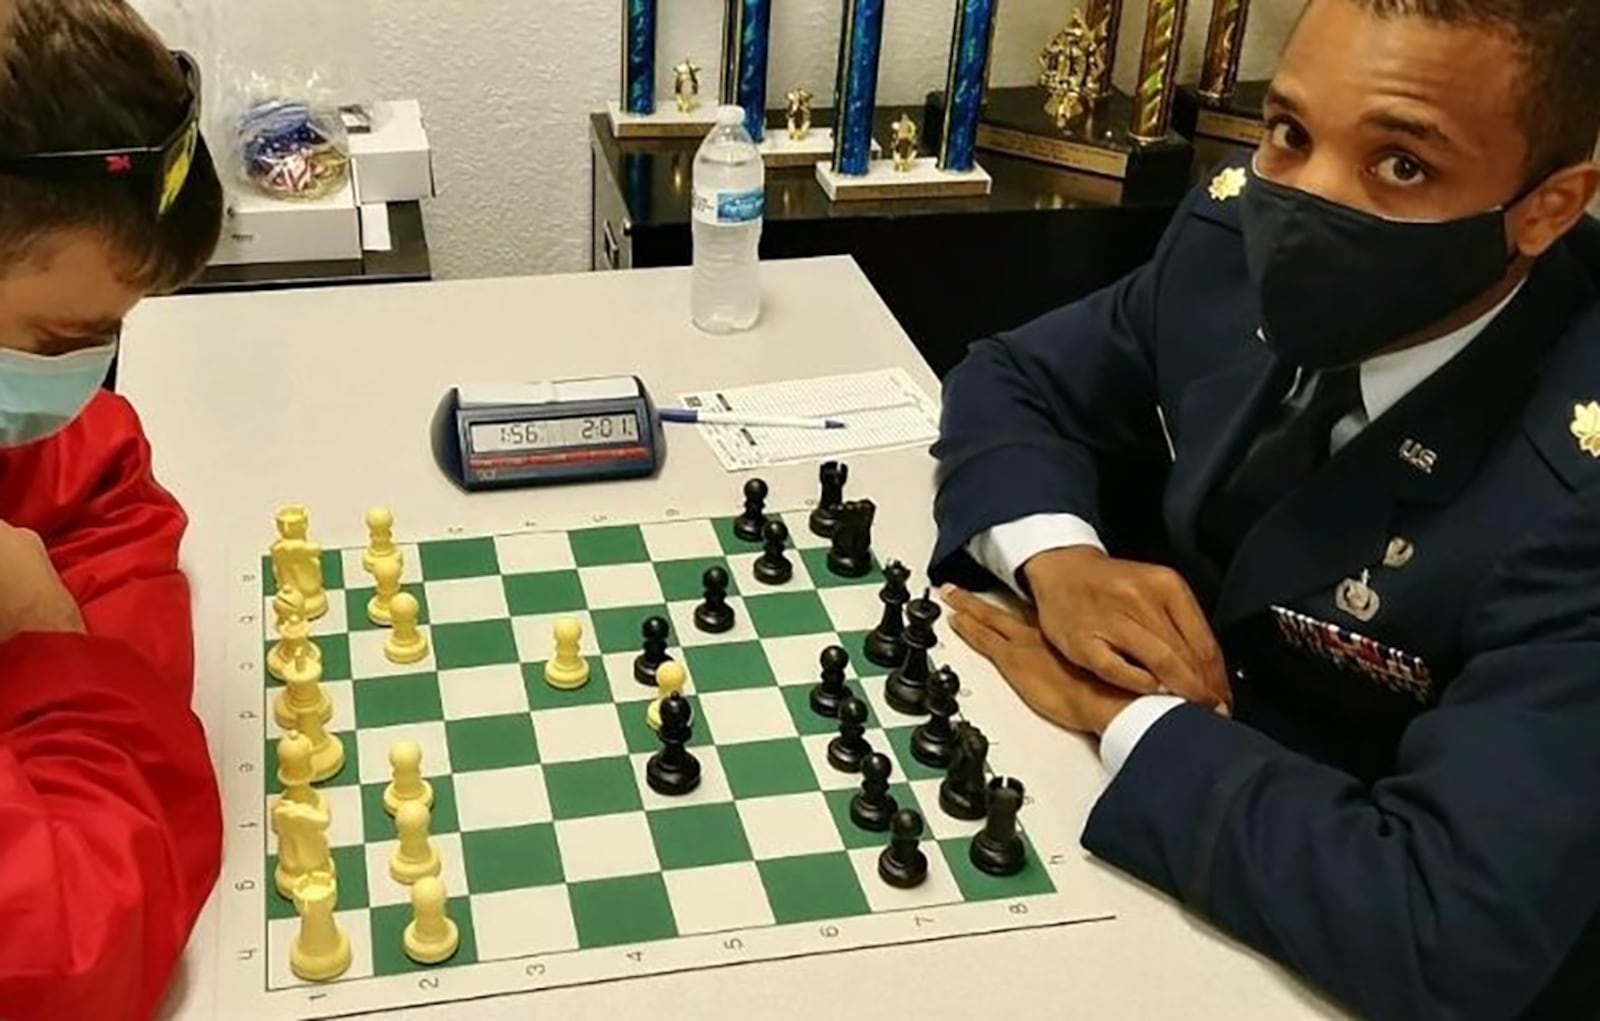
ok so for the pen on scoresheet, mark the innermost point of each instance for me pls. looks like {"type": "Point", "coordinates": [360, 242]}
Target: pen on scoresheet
{"type": "Point", "coordinates": [690, 416]}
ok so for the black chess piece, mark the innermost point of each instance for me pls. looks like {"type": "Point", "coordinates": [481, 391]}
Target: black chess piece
{"type": "Point", "coordinates": [749, 524]}
{"type": "Point", "coordinates": [998, 848]}
{"type": "Point", "coordinates": [714, 615]}
{"type": "Point", "coordinates": [825, 518]}
{"type": "Point", "coordinates": [851, 554]}
{"type": "Point", "coordinates": [828, 695]}
{"type": "Point", "coordinates": [873, 806]}
{"type": "Point", "coordinates": [934, 742]}
{"type": "Point", "coordinates": [902, 864]}
{"type": "Point", "coordinates": [846, 752]}
{"type": "Point", "coordinates": [654, 631]}
{"type": "Point", "coordinates": [964, 794]}
{"type": "Point", "coordinates": [673, 771]}
{"type": "Point", "coordinates": [774, 567]}
{"type": "Point", "coordinates": [907, 687]}
{"type": "Point", "coordinates": [886, 645]}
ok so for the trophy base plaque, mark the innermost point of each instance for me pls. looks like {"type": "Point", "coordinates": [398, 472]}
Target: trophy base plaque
{"type": "Point", "coordinates": [667, 122]}
{"type": "Point", "coordinates": [1236, 119]}
{"type": "Point", "coordinates": [1015, 123]}
{"type": "Point", "coordinates": [922, 181]}
{"type": "Point", "coordinates": [778, 150]}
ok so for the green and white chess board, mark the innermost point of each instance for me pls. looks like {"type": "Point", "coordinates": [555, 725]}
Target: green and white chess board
{"type": "Point", "coordinates": [562, 866]}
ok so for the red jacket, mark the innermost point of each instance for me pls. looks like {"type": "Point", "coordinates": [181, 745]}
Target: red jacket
{"type": "Point", "coordinates": [110, 824]}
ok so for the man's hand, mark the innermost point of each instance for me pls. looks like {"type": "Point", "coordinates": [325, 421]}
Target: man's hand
{"type": "Point", "coordinates": [1052, 687]}
{"type": "Point", "coordinates": [1137, 626]}
{"type": "Point", "coordinates": [32, 597]}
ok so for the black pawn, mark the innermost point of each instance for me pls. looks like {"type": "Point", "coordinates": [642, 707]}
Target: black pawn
{"type": "Point", "coordinates": [847, 751]}
{"type": "Point", "coordinates": [886, 645]}
{"type": "Point", "coordinates": [830, 694]}
{"type": "Point", "coordinates": [873, 806]}
{"type": "Point", "coordinates": [825, 518]}
{"type": "Point", "coordinates": [998, 848]}
{"type": "Point", "coordinates": [654, 631]}
{"type": "Point", "coordinates": [673, 771]}
{"type": "Point", "coordinates": [902, 864]}
{"type": "Point", "coordinates": [907, 687]}
{"type": "Point", "coordinates": [774, 567]}
{"type": "Point", "coordinates": [964, 793]}
{"type": "Point", "coordinates": [714, 615]}
{"type": "Point", "coordinates": [749, 524]}
{"type": "Point", "coordinates": [934, 742]}
{"type": "Point", "coordinates": [851, 553]}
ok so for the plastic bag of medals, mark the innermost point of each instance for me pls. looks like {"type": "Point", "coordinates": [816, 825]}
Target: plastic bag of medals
{"type": "Point", "coordinates": [292, 150]}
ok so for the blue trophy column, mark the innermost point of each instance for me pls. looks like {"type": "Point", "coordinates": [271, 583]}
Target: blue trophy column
{"type": "Point", "coordinates": [639, 56]}
{"type": "Point", "coordinates": [856, 95]}
{"type": "Point", "coordinates": [969, 57]}
{"type": "Point", "coordinates": [746, 29]}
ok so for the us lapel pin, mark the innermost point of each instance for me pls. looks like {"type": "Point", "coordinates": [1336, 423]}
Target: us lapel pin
{"type": "Point", "coordinates": [1418, 456]}
{"type": "Point", "coordinates": [1357, 597]}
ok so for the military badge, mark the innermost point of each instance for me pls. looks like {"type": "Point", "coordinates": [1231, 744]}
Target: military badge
{"type": "Point", "coordinates": [1586, 427]}
{"type": "Point", "coordinates": [1228, 184]}
{"type": "Point", "coordinates": [1400, 672]}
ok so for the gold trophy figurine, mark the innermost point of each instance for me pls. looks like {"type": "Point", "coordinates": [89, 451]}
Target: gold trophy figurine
{"type": "Point", "coordinates": [1072, 69]}
{"type": "Point", "coordinates": [686, 86]}
{"type": "Point", "coordinates": [799, 113]}
{"type": "Point", "coordinates": [904, 145]}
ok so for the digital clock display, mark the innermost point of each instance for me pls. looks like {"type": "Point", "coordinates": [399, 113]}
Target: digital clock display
{"type": "Point", "coordinates": [553, 433]}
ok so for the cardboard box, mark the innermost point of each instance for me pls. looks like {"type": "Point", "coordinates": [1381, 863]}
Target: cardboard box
{"type": "Point", "coordinates": [259, 229]}
{"type": "Point", "coordinates": [393, 162]}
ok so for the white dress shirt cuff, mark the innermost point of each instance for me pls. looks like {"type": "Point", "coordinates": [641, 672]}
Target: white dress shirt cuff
{"type": "Point", "coordinates": [1004, 549]}
{"type": "Point", "coordinates": [1129, 728]}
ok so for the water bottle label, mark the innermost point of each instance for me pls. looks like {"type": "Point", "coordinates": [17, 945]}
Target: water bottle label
{"type": "Point", "coordinates": [729, 207]}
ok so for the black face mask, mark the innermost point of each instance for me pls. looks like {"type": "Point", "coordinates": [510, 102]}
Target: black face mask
{"type": "Point", "coordinates": [1338, 285]}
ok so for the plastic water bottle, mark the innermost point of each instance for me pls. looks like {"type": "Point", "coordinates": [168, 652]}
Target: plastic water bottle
{"type": "Point", "coordinates": [730, 189]}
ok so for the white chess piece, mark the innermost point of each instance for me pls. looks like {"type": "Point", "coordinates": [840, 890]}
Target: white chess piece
{"type": "Point", "coordinates": [302, 691]}
{"type": "Point", "coordinates": [297, 561]}
{"type": "Point", "coordinates": [386, 577]}
{"type": "Point", "coordinates": [567, 669]}
{"type": "Point", "coordinates": [294, 632]}
{"type": "Point", "coordinates": [327, 750]}
{"type": "Point", "coordinates": [670, 680]}
{"type": "Point", "coordinates": [431, 937]}
{"type": "Point", "coordinates": [302, 843]}
{"type": "Point", "coordinates": [406, 643]}
{"type": "Point", "coordinates": [416, 856]}
{"type": "Point", "coordinates": [320, 951]}
{"type": "Point", "coordinates": [405, 759]}
{"type": "Point", "coordinates": [380, 538]}
{"type": "Point", "coordinates": [295, 773]}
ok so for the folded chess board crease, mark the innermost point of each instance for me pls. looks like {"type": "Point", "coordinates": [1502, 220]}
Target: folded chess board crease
{"type": "Point", "coordinates": [496, 746]}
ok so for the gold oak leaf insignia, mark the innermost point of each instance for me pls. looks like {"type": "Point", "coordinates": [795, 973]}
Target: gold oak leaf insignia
{"type": "Point", "coordinates": [1228, 184]}
{"type": "Point", "coordinates": [1586, 427]}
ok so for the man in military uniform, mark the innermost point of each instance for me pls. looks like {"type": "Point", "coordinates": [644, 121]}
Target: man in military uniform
{"type": "Point", "coordinates": [1355, 719]}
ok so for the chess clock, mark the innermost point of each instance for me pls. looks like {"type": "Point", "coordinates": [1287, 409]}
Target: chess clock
{"type": "Point", "coordinates": [506, 436]}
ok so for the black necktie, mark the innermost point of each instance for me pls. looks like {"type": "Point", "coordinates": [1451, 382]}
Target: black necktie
{"type": "Point", "coordinates": [1293, 444]}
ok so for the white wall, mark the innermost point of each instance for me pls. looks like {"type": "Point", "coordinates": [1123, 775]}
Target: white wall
{"type": "Point", "coordinates": [507, 86]}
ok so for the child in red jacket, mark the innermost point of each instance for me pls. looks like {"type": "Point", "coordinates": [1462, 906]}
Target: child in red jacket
{"type": "Point", "coordinates": [110, 827]}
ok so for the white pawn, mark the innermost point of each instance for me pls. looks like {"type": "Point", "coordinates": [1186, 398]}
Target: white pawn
{"type": "Point", "coordinates": [294, 774]}
{"type": "Point", "coordinates": [406, 643]}
{"type": "Point", "coordinates": [416, 856]}
{"type": "Point", "coordinates": [327, 750]}
{"type": "Point", "coordinates": [670, 679]}
{"type": "Point", "coordinates": [405, 759]}
{"type": "Point", "coordinates": [431, 937]}
{"type": "Point", "coordinates": [386, 576]}
{"type": "Point", "coordinates": [302, 691]}
{"type": "Point", "coordinates": [567, 669]}
{"type": "Point", "coordinates": [320, 951]}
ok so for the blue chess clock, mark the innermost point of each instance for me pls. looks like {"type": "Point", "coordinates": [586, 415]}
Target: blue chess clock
{"type": "Point", "coordinates": [505, 436]}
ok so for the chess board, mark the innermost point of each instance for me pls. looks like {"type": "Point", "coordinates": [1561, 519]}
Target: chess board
{"type": "Point", "coordinates": [563, 867]}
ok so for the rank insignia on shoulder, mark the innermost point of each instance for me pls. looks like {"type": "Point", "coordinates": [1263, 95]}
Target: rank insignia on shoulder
{"type": "Point", "coordinates": [1228, 184]}
{"type": "Point", "coordinates": [1586, 427]}
{"type": "Point", "coordinates": [1398, 671]}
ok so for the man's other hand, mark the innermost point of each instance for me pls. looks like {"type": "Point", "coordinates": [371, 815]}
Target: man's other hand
{"type": "Point", "coordinates": [1136, 626]}
{"type": "Point", "coordinates": [32, 597]}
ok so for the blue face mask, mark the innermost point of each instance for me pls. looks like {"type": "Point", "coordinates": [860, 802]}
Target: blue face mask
{"type": "Point", "coordinates": [40, 396]}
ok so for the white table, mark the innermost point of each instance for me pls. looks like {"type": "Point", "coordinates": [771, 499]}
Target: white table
{"type": "Point", "coordinates": [323, 397]}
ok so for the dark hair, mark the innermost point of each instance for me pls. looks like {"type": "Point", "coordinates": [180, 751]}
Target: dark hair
{"type": "Point", "coordinates": [90, 74]}
{"type": "Point", "coordinates": [1560, 43]}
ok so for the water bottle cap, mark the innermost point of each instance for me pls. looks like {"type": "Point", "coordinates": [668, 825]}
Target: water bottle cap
{"type": "Point", "coordinates": [730, 115]}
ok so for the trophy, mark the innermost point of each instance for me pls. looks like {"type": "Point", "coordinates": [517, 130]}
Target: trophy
{"type": "Point", "coordinates": [637, 114]}
{"type": "Point", "coordinates": [853, 172]}
{"type": "Point", "coordinates": [1219, 107]}
{"type": "Point", "coordinates": [746, 42]}
{"type": "Point", "coordinates": [1074, 117]}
